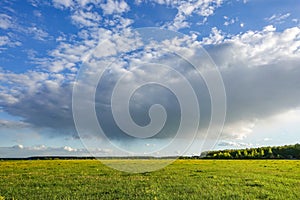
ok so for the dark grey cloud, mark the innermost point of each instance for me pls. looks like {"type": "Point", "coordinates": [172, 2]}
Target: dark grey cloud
{"type": "Point", "coordinates": [257, 87]}
{"type": "Point", "coordinates": [262, 91]}
{"type": "Point", "coordinates": [45, 108]}
{"type": "Point", "coordinates": [252, 92]}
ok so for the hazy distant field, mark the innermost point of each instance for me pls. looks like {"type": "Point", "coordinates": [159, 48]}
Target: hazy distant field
{"type": "Point", "coordinates": [184, 179]}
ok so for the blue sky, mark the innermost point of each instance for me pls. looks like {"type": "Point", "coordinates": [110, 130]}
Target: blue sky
{"type": "Point", "coordinates": [255, 45]}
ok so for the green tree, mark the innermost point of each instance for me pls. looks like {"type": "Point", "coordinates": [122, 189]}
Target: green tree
{"type": "Point", "coordinates": [270, 153]}
{"type": "Point", "coordinates": [254, 153]}
{"type": "Point", "coordinates": [238, 154]}
{"type": "Point", "coordinates": [261, 153]}
{"type": "Point", "coordinates": [220, 155]}
{"type": "Point", "coordinates": [245, 153]}
{"type": "Point", "coordinates": [227, 155]}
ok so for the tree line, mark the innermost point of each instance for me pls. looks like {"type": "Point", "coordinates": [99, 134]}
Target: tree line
{"type": "Point", "coordinates": [278, 152]}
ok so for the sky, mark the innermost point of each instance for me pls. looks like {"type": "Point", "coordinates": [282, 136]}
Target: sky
{"type": "Point", "coordinates": [147, 77]}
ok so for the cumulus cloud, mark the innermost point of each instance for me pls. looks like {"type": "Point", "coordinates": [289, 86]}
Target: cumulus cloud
{"type": "Point", "coordinates": [86, 13]}
{"type": "Point", "coordinates": [260, 71]}
{"type": "Point", "coordinates": [86, 19]}
{"type": "Point", "coordinates": [254, 48]}
{"type": "Point", "coordinates": [38, 33]}
{"type": "Point", "coordinates": [215, 37]}
{"type": "Point", "coordinates": [188, 8]}
{"type": "Point", "coordinates": [35, 96]}
{"type": "Point", "coordinates": [113, 6]}
{"type": "Point", "coordinates": [63, 3]}
{"type": "Point", "coordinates": [6, 23]}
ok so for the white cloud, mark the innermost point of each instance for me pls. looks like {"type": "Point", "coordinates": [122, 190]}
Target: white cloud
{"type": "Point", "coordinates": [4, 40]}
{"type": "Point", "coordinates": [66, 56]}
{"type": "Point", "coordinates": [8, 98]}
{"type": "Point", "coordinates": [5, 21]}
{"type": "Point", "coordinates": [67, 148]}
{"type": "Point", "coordinates": [230, 144]}
{"type": "Point", "coordinates": [295, 20]}
{"type": "Point", "coordinates": [186, 9]}
{"type": "Point", "coordinates": [37, 148]}
{"type": "Point", "coordinates": [114, 7]}
{"type": "Point", "coordinates": [267, 139]}
{"type": "Point", "coordinates": [229, 21]}
{"type": "Point", "coordinates": [215, 37]}
{"type": "Point", "coordinates": [16, 83]}
{"type": "Point", "coordinates": [37, 13]}
{"type": "Point", "coordinates": [254, 48]}
{"type": "Point", "coordinates": [257, 66]}
{"type": "Point", "coordinates": [238, 130]}
{"type": "Point", "coordinates": [287, 118]}
{"type": "Point", "coordinates": [19, 146]}
{"type": "Point", "coordinates": [20, 151]}
{"type": "Point", "coordinates": [38, 33]}
{"type": "Point", "coordinates": [199, 7]}
{"type": "Point", "coordinates": [86, 19]}
{"type": "Point", "coordinates": [47, 100]}
{"type": "Point", "coordinates": [269, 28]}
{"type": "Point", "coordinates": [63, 3]}
{"type": "Point", "coordinates": [37, 3]}
{"type": "Point", "coordinates": [278, 19]}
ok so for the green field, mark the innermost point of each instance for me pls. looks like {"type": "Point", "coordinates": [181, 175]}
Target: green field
{"type": "Point", "coordinates": [184, 179]}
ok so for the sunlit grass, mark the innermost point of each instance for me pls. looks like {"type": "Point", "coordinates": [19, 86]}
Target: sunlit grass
{"type": "Point", "coordinates": [184, 179]}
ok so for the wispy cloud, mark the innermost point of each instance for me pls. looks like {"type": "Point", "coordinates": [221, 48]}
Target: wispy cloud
{"type": "Point", "coordinates": [38, 33]}
{"type": "Point", "coordinates": [5, 21]}
{"type": "Point", "coordinates": [20, 151]}
{"type": "Point", "coordinates": [6, 41]}
{"type": "Point", "coordinates": [232, 144]}
{"type": "Point", "coordinates": [187, 9]}
{"type": "Point", "coordinates": [278, 18]}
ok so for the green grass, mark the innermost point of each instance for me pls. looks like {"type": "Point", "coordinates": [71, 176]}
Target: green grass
{"type": "Point", "coordinates": [184, 179]}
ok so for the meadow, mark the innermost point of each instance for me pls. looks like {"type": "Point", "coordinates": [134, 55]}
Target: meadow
{"type": "Point", "coordinates": [184, 179]}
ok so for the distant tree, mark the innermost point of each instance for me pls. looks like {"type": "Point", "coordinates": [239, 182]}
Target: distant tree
{"type": "Point", "coordinates": [245, 153]}
{"type": "Point", "coordinates": [227, 155]}
{"type": "Point", "coordinates": [261, 153]}
{"type": "Point", "coordinates": [270, 153]}
{"type": "Point", "coordinates": [238, 154]}
{"type": "Point", "coordinates": [254, 153]}
{"type": "Point", "coordinates": [221, 155]}
{"type": "Point", "coordinates": [287, 152]}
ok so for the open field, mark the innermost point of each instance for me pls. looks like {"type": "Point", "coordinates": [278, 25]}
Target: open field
{"type": "Point", "coordinates": [184, 179]}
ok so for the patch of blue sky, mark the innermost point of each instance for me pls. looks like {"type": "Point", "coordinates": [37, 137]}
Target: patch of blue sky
{"type": "Point", "coordinates": [151, 15]}
{"type": "Point", "coordinates": [36, 33]}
